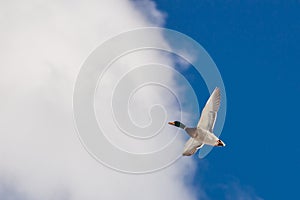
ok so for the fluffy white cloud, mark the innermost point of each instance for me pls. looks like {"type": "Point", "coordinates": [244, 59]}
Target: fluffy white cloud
{"type": "Point", "coordinates": [43, 44]}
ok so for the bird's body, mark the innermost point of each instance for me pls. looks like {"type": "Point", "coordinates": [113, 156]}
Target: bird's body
{"type": "Point", "coordinates": [203, 133]}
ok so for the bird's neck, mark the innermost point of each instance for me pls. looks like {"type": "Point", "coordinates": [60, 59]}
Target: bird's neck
{"type": "Point", "coordinates": [182, 126]}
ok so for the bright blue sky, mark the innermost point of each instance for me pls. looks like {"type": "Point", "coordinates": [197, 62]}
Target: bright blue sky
{"type": "Point", "coordinates": [256, 48]}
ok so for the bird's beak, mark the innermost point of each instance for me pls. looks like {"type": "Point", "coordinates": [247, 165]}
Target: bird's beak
{"type": "Point", "coordinates": [171, 123]}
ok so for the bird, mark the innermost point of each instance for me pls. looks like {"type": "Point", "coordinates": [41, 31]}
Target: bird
{"type": "Point", "coordinates": [203, 133]}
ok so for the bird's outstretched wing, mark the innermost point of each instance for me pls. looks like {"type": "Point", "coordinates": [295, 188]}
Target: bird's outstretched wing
{"type": "Point", "coordinates": [191, 146]}
{"type": "Point", "coordinates": [209, 112]}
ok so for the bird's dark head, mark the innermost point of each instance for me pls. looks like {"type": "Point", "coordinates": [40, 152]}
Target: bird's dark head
{"type": "Point", "coordinates": [177, 124]}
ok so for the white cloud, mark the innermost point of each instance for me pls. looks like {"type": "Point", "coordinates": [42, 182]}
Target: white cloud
{"type": "Point", "coordinates": [43, 45]}
{"type": "Point", "coordinates": [234, 189]}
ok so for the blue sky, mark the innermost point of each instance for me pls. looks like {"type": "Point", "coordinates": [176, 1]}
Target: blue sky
{"type": "Point", "coordinates": [255, 45]}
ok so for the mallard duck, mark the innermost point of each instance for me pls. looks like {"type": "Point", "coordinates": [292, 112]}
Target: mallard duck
{"type": "Point", "coordinates": [203, 133]}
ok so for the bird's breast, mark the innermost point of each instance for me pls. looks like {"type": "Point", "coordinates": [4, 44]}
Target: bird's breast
{"type": "Point", "coordinates": [192, 132]}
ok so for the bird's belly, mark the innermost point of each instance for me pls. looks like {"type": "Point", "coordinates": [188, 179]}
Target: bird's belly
{"type": "Point", "coordinates": [206, 137]}
{"type": "Point", "coordinates": [201, 136]}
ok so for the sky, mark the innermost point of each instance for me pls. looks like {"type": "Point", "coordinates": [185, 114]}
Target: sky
{"type": "Point", "coordinates": [255, 47]}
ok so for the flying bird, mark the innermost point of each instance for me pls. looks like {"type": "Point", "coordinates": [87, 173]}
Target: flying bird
{"type": "Point", "coordinates": [203, 133]}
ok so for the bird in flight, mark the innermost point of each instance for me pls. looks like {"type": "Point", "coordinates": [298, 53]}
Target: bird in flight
{"type": "Point", "coordinates": [203, 133]}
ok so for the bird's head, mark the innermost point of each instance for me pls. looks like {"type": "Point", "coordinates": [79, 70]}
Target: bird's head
{"type": "Point", "coordinates": [177, 124]}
